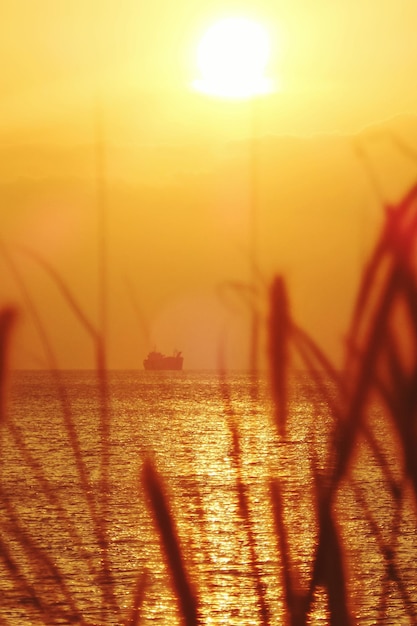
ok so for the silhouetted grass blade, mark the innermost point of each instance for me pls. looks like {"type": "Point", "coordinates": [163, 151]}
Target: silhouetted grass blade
{"type": "Point", "coordinates": [170, 544]}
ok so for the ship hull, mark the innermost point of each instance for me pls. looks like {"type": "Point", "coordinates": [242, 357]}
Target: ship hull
{"type": "Point", "coordinates": [167, 363]}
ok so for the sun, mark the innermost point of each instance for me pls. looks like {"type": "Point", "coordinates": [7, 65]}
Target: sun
{"type": "Point", "coordinates": [232, 57]}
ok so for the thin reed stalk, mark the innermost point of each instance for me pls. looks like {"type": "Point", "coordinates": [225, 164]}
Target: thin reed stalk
{"type": "Point", "coordinates": [171, 548]}
{"type": "Point", "coordinates": [106, 583]}
{"type": "Point", "coordinates": [279, 336]}
{"type": "Point", "coordinates": [7, 321]}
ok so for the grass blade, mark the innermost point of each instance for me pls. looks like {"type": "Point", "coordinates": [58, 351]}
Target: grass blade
{"type": "Point", "coordinates": [170, 544]}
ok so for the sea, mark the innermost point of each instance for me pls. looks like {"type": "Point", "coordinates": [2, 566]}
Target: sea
{"type": "Point", "coordinates": [80, 540]}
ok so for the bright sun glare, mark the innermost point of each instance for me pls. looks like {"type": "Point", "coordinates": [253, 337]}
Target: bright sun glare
{"type": "Point", "coordinates": [232, 57]}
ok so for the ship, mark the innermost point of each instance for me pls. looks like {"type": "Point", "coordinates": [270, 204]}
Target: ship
{"type": "Point", "coordinates": [158, 361]}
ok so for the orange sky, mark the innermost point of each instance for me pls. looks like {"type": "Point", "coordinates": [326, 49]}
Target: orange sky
{"type": "Point", "coordinates": [178, 167]}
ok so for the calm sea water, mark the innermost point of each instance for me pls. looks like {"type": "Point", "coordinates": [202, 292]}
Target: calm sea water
{"type": "Point", "coordinates": [55, 507]}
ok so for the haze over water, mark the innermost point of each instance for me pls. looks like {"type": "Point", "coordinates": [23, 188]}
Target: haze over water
{"type": "Point", "coordinates": [334, 141]}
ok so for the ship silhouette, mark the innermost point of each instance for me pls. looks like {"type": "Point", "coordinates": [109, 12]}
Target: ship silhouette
{"type": "Point", "coordinates": [158, 361]}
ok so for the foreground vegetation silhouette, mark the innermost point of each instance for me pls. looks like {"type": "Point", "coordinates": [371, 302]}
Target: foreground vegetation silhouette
{"type": "Point", "coordinates": [372, 403]}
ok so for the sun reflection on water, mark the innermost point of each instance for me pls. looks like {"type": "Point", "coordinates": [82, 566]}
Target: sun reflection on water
{"type": "Point", "coordinates": [232, 553]}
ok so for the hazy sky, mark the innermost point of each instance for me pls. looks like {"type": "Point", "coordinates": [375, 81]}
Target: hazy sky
{"type": "Point", "coordinates": [180, 167]}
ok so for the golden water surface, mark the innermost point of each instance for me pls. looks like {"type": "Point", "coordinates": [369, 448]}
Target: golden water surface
{"type": "Point", "coordinates": [76, 547]}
